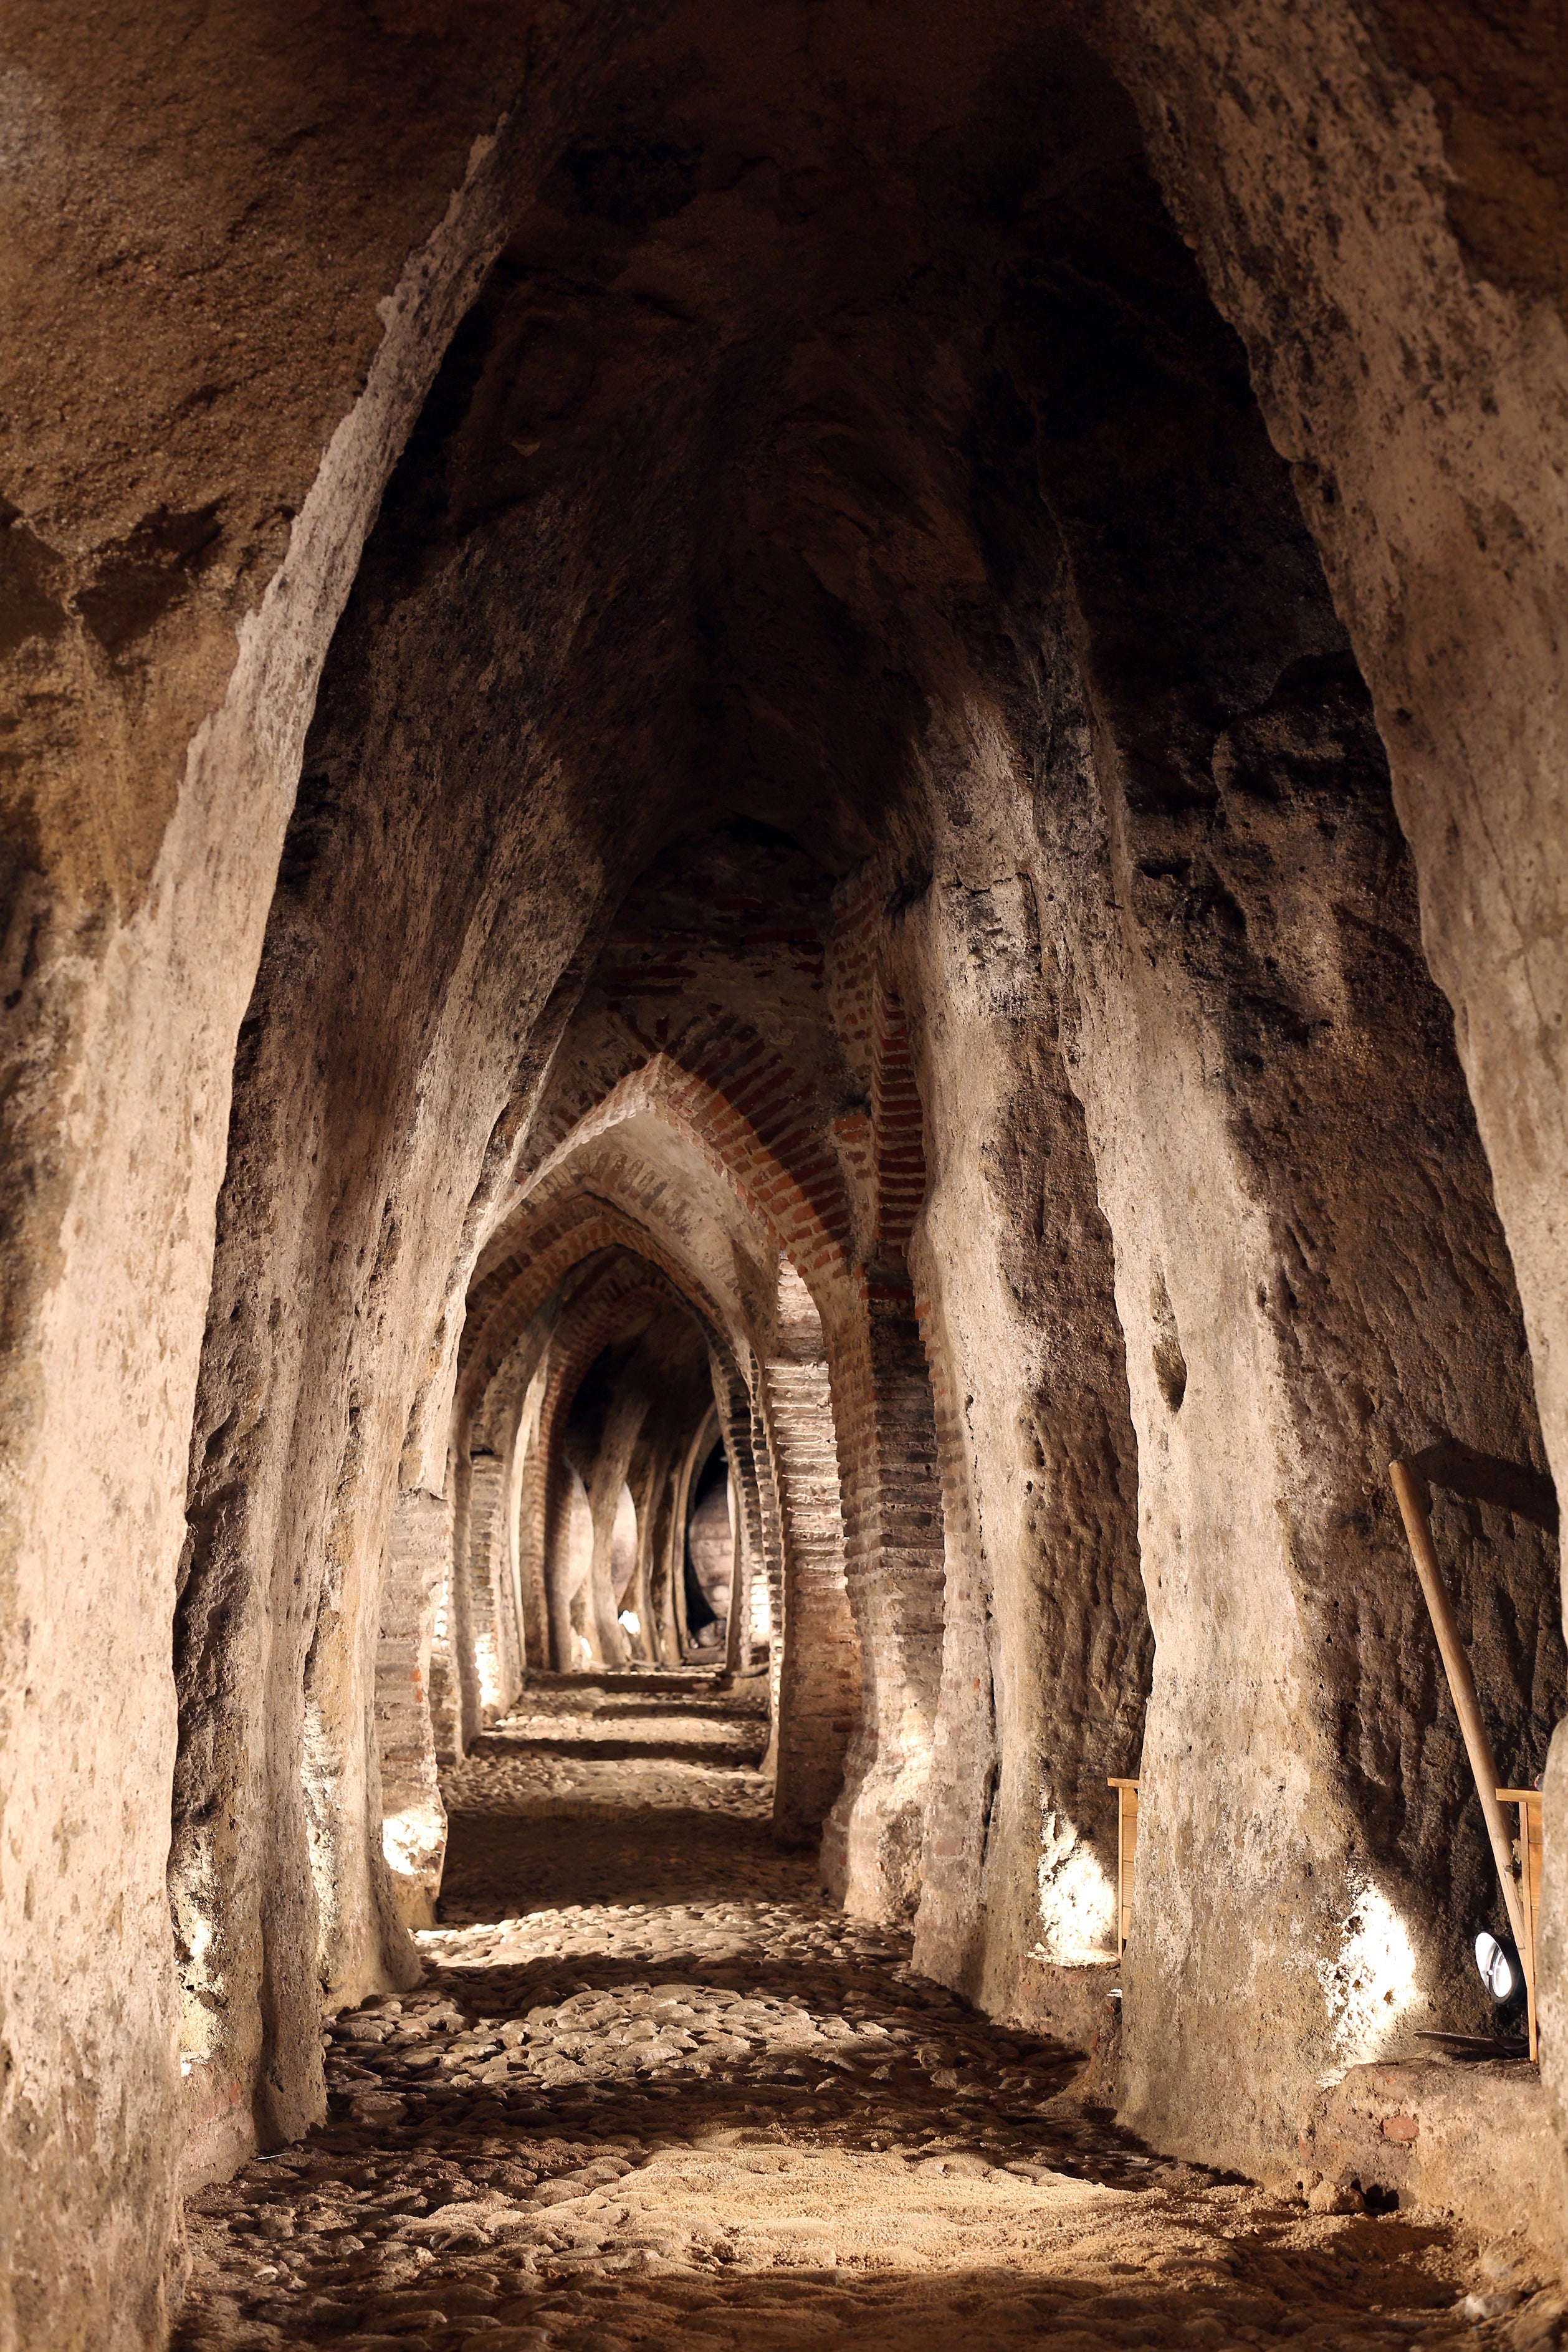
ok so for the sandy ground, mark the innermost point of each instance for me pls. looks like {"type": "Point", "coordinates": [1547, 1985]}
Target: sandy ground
{"type": "Point", "coordinates": [656, 2092]}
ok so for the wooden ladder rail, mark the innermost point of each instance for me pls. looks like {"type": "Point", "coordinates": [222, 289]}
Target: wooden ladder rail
{"type": "Point", "coordinates": [1126, 1848]}
{"type": "Point", "coordinates": [1407, 1488]}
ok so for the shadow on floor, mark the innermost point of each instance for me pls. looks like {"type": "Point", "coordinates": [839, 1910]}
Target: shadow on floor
{"type": "Point", "coordinates": [501, 1865]}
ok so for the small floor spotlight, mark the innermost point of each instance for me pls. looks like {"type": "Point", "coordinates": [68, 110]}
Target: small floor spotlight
{"type": "Point", "coordinates": [1500, 1970]}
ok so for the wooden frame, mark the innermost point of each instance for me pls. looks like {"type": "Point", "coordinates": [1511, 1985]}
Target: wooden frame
{"type": "Point", "coordinates": [1526, 1493]}
{"type": "Point", "coordinates": [1126, 1849]}
{"type": "Point", "coordinates": [1528, 1804]}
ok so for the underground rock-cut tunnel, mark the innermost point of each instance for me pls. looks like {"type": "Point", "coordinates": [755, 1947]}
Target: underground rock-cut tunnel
{"type": "Point", "coordinates": [786, 1306]}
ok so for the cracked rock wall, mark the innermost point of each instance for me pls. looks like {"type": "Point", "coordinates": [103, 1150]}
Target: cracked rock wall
{"type": "Point", "coordinates": [1067, 505]}
{"type": "Point", "coordinates": [148, 788]}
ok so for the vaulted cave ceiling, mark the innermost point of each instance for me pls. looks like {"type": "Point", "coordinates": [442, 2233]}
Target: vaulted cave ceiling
{"type": "Point", "coordinates": [838, 588]}
{"type": "Point", "coordinates": [836, 351]}
{"type": "Point", "coordinates": [843, 416]}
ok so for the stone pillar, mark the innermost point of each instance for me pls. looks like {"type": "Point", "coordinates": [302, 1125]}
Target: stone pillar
{"type": "Point", "coordinates": [893, 1570]}
{"type": "Point", "coordinates": [696, 1455]}
{"type": "Point", "coordinates": [660, 1622]}
{"type": "Point", "coordinates": [768, 1568]}
{"type": "Point", "coordinates": [891, 1490]}
{"type": "Point", "coordinates": [616, 1447]}
{"type": "Point", "coordinates": [537, 1477]}
{"type": "Point", "coordinates": [819, 1646]}
{"type": "Point", "coordinates": [534, 1630]}
{"type": "Point", "coordinates": [414, 1818]}
{"type": "Point", "coordinates": [1046, 1649]}
{"type": "Point", "coordinates": [1311, 1278]}
{"type": "Point", "coordinates": [492, 1610]}
{"type": "Point", "coordinates": [650, 1500]}
{"type": "Point", "coordinates": [462, 1634]}
{"type": "Point", "coordinates": [735, 1615]}
{"type": "Point", "coordinates": [446, 1696]}
{"type": "Point", "coordinates": [732, 1403]}
{"type": "Point", "coordinates": [561, 1488]}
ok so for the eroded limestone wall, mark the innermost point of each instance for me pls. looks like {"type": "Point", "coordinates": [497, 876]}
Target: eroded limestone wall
{"type": "Point", "coordinates": [1047, 1649]}
{"type": "Point", "coordinates": [1378, 206]}
{"type": "Point", "coordinates": [1020, 544]}
{"type": "Point", "coordinates": [140, 984]}
{"type": "Point", "coordinates": [414, 1818]}
{"type": "Point", "coordinates": [1311, 1278]}
{"type": "Point", "coordinates": [380, 1052]}
{"type": "Point", "coordinates": [192, 465]}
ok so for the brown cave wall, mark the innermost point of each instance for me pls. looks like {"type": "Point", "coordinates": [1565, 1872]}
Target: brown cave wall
{"type": "Point", "coordinates": [1106, 343]}
{"type": "Point", "coordinates": [1047, 1647]}
{"type": "Point", "coordinates": [1376, 200]}
{"type": "Point", "coordinates": [155, 506]}
{"type": "Point", "coordinates": [858, 452]}
{"type": "Point", "coordinates": [1310, 1274]}
{"type": "Point", "coordinates": [381, 1049]}
{"type": "Point", "coordinates": [141, 1009]}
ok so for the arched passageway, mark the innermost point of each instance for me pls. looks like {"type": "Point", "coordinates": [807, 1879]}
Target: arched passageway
{"type": "Point", "coordinates": [654, 2080]}
{"type": "Point", "coordinates": [785, 951]}
{"type": "Point", "coordinates": [710, 1550]}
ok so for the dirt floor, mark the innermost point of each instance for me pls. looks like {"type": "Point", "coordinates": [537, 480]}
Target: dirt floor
{"type": "Point", "coordinates": [656, 2091]}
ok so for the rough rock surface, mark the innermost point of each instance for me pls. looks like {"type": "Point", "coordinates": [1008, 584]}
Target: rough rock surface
{"type": "Point", "coordinates": [830, 732]}
{"type": "Point", "coordinates": [652, 2088]}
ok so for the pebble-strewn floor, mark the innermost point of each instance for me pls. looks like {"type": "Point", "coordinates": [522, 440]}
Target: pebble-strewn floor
{"type": "Point", "coordinates": [656, 2092]}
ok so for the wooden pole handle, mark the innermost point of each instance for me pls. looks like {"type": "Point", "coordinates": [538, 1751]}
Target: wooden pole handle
{"type": "Point", "coordinates": [1462, 1689]}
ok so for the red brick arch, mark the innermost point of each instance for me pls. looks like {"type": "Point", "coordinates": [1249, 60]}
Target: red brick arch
{"type": "Point", "coordinates": [756, 1090]}
{"type": "Point", "coordinates": [759, 1141]}
{"type": "Point", "coordinates": [762, 1141]}
{"type": "Point", "coordinates": [544, 1251]}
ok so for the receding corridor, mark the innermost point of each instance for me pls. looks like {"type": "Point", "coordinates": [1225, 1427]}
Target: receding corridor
{"type": "Point", "coordinates": [784, 1123]}
{"type": "Point", "coordinates": [656, 2091]}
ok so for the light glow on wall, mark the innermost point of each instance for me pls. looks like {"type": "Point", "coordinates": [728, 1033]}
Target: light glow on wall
{"type": "Point", "coordinates": [1372, 1982]}
{"type": "Point", "coordinates": [410, 1837]}
{"type": "Point", "coordinates": [1077, 1900]}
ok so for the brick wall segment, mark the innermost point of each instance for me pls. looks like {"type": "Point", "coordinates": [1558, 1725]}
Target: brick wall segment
{"type": "Point", "coordinates": [733, 1403]}
{"type": "Point", "coordinates": [413, 1834]}
{"type": "Point", "coordinates": [882, 1436]}
{"type": "Point", "coordinates": [816, 1649]}
{"type": "Point", "coordinates": [497, 1646]}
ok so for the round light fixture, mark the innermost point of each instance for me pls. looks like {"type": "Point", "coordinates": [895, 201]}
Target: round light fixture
{"type": "Point", "coordinates": [1499, 1972]}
